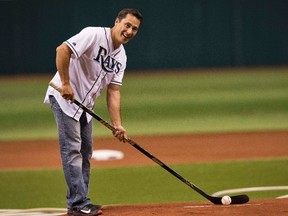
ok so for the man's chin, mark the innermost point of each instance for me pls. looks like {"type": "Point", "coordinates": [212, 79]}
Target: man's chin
{"type": "Point", "coordinates": [125, 41]}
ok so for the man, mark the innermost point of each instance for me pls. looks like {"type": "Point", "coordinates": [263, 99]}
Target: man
{"type": "Point", "coordinates": [87, 63]}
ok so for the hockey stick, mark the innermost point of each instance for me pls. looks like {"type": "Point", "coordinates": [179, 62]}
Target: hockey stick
{"type": "Point", "coordinates": [238, 199]}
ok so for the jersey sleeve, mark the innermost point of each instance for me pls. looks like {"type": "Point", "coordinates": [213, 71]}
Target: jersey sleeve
{"type": "Point", "coordinates": [118, 77]}
{"type": "Point", "coordinates": [80, 42]}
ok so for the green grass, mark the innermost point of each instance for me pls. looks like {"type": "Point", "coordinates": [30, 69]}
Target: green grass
{"type": "Point", "coordinates": [206, 101]}
{"type": "Point", "coordinates": [142, 184]}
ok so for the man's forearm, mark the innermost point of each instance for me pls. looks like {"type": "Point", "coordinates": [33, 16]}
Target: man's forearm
{"type": "Point", "coordinates": [63, 54]}
{"type": "Point", "coordinates": [114, 105]}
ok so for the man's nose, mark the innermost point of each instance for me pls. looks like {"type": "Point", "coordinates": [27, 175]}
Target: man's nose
{"type": "Point", "coordinates": [129, 31]}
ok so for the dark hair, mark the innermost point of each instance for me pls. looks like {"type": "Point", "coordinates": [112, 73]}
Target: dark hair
{"type": "Point", "coordinates": [123, 13]}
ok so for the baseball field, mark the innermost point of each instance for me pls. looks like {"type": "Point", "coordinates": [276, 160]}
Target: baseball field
{"type": "Point", "coordinates": [225, 130]}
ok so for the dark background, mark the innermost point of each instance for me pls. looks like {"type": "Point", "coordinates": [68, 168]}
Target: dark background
{"type": "Point", "coordinates": [174, 34]}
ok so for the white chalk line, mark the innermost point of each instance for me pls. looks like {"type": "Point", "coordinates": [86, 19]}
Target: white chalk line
{"type": "Point", "coordinates": [252, 189]}
{"type": "Point", "coordinates": [203, 206]}
{"type": "Point", "coordinates": [33, 212]}
{"type": "Point", "coordinates": [210, 206]}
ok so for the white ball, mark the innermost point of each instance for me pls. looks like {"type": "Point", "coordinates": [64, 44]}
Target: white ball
{"type": "Point", "coordinates": [226, 200]}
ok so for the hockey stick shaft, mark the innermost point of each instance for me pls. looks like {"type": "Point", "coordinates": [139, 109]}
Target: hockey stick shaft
{"type": "Point", "coordinates": [216, 200]}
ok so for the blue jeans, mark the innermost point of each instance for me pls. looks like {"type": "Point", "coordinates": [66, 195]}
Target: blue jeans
{"type": "Point", "coordinates": [76, 144]}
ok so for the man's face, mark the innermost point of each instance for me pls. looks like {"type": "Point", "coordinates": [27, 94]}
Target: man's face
{"type": "Point", "coordinates": [125, 29]}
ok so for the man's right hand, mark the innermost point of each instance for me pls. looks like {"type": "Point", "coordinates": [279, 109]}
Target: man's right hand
{"type": "Point", "coordinates": [67, 92]}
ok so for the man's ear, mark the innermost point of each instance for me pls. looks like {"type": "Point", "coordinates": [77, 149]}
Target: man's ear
{"type": "Point", "coordinates": [117, 20]}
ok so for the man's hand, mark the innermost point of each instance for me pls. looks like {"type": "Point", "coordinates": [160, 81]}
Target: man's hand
{"type": "Point", "coordinates": [120, 133]}
{"type": "Point", "coordinates": [67, 92]}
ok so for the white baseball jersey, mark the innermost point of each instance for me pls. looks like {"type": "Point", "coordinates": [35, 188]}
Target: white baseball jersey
{"type": "Point", "coordinates": [94, 64]}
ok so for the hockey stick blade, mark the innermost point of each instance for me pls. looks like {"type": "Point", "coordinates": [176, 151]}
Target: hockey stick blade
{"type": "Point", "coordinates": [238, 199]}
